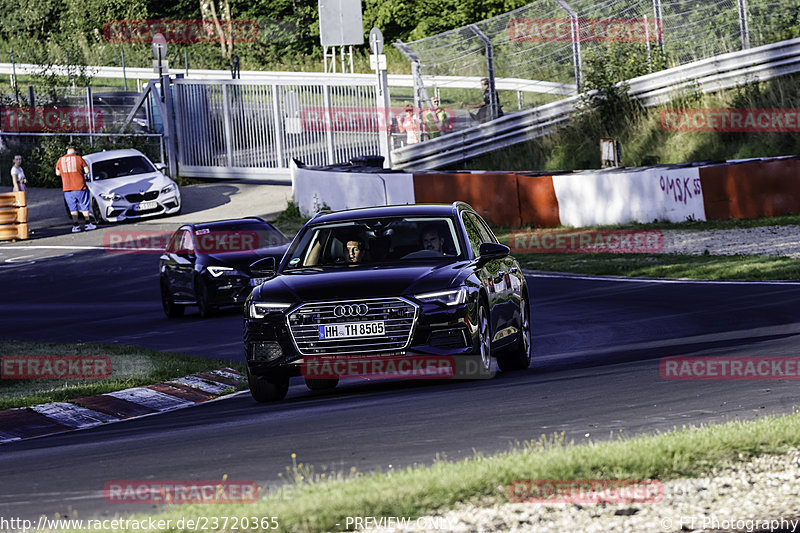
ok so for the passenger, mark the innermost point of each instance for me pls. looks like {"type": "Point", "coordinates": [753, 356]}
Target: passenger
{"type": "Point", "coordinates": [355, 251]}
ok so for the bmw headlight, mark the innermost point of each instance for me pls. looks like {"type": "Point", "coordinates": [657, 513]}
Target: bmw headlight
{"type": "Point", "coordinates": [262, 309]}
{"type": "Point", "coordinates": [217, 271]}
{"type": "Point", "coordinates": [167, 189]}
{"type": "Point", "coordinates": [448, 297]}
{"type": "Point", "coordinates": [111, 196]}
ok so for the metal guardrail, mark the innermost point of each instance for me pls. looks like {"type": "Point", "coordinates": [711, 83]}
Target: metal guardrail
{"type": "Point", "coordinates": [713, 74]}
{"type": "Point", "coordinates": [395, 80]}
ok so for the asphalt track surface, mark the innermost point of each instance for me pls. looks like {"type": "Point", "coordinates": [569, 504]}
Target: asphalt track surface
{"type": "Point", "coordinates": [597, 345]}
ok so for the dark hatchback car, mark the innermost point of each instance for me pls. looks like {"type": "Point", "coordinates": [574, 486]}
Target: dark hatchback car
{"type": "Point", "coordinates": [427, 280]}
{"type": "Point", "coordinates": [208, 265]}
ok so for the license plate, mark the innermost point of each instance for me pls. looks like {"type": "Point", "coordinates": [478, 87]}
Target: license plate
{"type": "Point", "coordinates": [144, 206]}
{"type": "Point", "coordinates": [345, 331]}
{"type": "Point", "coordinates": [257, 281]}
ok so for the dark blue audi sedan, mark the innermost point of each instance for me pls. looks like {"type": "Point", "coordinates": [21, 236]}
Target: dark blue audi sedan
{"type": "Point", "coordinates": [397, 281]}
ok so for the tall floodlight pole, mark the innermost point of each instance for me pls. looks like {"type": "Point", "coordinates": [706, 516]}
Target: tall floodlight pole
{"type": "Point", "coordinates": [743, 26]}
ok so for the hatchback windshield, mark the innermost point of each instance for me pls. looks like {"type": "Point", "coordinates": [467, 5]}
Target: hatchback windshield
{"type": "Point", "coordinates": [376, 241]}
{"type": "Point", "coordinates": [123, 166]}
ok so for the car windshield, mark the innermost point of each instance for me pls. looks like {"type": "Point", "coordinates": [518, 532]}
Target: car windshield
{"type": "Point", "coordinates": [376, 241]}
{"type": "Point", "coordinates": [242, 236]}
{"type": "Point", "coordinates": [122, 166]}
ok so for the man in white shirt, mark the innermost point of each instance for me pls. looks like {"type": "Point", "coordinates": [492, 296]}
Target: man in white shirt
{"type": "Point", "coordinates": [18, 179]}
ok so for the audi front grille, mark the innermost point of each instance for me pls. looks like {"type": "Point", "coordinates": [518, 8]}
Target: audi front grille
{"type": "Point", "coordinates": [398, 315]}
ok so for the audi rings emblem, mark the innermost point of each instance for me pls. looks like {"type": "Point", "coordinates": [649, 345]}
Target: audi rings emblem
{"type": "Point", "coordinates": [350, 310]}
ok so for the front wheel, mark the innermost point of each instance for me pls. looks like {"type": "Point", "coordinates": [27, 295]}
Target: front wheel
{"type": "Point", "coordinates": [267, 389]}
{"type": "Point", "coordinates": [171, 309]}
{"type": "Point", "coordinates": [479, 365]}
{"type": "Point", "coordinates": [518, 357]}
{"type": "Point", "coordinates": [204, 307]}
{"type": "Point", "coordinates": [96, 212]}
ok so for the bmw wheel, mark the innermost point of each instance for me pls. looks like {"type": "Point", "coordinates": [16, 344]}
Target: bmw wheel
{"type": "Point", "coordinates": [267, 389]}
{"type": "Point", "coordinates": [519, 356]}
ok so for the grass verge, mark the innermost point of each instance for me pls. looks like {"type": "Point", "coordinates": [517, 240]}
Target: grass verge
{"type": "Point", "coordinates": [718, 267]}
{"type": "Point", "coordinates": [130, 367]}
{"type": "Point", "coordinates": [318, 503]}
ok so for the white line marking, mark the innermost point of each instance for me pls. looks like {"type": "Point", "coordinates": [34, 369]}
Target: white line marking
{"type": "Point", "coordinates": [652, 280]}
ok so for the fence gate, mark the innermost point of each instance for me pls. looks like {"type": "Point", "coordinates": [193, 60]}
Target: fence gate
{"type": "Point", "coordinates": [241, 129]}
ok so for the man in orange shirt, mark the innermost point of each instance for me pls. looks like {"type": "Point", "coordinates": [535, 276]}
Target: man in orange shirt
{"type": "Point", "coordinates": [71, 167]}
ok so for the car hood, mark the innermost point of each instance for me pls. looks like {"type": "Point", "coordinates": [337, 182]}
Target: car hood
{"type": "Point", "coordinates": [130, 184]}
{"type": "Point", "coordinates": [241, 261]}
{"type": "Point", "coordinates": [360, 282]}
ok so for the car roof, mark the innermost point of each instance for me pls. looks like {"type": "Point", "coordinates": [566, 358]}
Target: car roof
{"type": "Point", "coordinates": [444, 210]}
{"type": "Point", "coordinates": [227, 222]}
{"type": "Point", "coordinates": [111, 154]}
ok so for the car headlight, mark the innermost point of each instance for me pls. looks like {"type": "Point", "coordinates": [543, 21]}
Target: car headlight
{"type": "Point", "coordinates": [217, 271]}
{"type": "Point", "coordinates": [111, 196]}
{"type": "Point", "coordinates": [167, 189]}
{"type": "Point", "coordinates": [262, 309]}
{"type": "Point", "coordinates": [448, 297]}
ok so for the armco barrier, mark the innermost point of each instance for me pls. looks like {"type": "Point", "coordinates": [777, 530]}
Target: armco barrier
{"type": "Point", "coordinates": [751, 189]}
{"type": "Point", "coordinates": [13, 216]}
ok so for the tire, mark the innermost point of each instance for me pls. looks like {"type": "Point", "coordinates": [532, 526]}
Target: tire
{"type": "Point", "coordinates": [205, 309]}
{"type": "Point", "coordinates": [171, 309]}
{"type": "Point", "coordinates": [96, 213]}
{"type": "Point", "coordinates": [518, 357]}
{"type": "Point", "coordinates": [479, 365]}
{"type": "Point", "coordinates": [321, 384]}
{"type": "Point", "coordinates": [267, 390]}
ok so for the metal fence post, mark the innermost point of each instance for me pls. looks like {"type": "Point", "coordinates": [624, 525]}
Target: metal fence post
{"type": "Point", "coordinates": [276, 112]}
{"type": "Point", "coordinates": [168, 117]}
{"type": "Point", "coordinates": [326, 95]}
{"type": "Point", "coordinates": [659, 23]}
{"type": "Point", "coordinates": [743, 26]}
{"type": "Point", "coordinates": [14, 77]}
{"type": "Point", "coordinates": [382, 100]}
{"type": "Point", "coordinates": [226, 126]}
{"type": "Point", "coordinates": [576, 42]}
{"type": "Point", "coordinates": [90, 105]}
{"type": "Point", "coordinates": [124, 76]}
{"type": "Point", "coordinates": [494, 104]}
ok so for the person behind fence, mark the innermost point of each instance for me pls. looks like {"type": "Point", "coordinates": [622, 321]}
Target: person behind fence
{"type": "Point", "coordinates": [409, 124]}
{"type": "Point", "coordinates": [436, 120]}
{"type": "Point", "coordinates": [71, 167]}
{"type": "Point", "coordinates": [18, 179]}
{"type": "Point", "coordinates": [484, 114]}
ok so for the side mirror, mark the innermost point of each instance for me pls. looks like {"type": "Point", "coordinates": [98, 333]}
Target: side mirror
{"type": "Point", "coordinates": [492, 250]}
{"type": "Point", "coordinates": [160, 167]}
{"type": "Point", "coordinates": [263, 268]}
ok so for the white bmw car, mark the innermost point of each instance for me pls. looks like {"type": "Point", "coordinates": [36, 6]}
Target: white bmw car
{"type": "Point", "coordinates": [124, 184]}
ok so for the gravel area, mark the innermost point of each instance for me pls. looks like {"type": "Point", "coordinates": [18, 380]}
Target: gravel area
{"type": "Point", "coordinates": [749, 496]}
{"type": "Point", "coordinates": [764, 240]}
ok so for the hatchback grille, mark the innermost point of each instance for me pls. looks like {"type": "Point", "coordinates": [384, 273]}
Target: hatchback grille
{"type": "Point", "coordinates": [397, 314]}
{"type": "Point", "coordinates": [137, 197]}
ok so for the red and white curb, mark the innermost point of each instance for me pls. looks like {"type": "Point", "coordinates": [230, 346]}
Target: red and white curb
{"type": "Point", "coordinates": [90, 411]}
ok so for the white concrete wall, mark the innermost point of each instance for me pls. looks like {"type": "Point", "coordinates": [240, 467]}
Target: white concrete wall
{"type": "Point", "coordinates": [599, 198]}
{"type": "Point", "coordinates": [347, 190]}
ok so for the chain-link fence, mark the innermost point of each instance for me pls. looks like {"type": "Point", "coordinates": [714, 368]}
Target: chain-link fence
{"type": "Point", "coordinates": [563, 40]}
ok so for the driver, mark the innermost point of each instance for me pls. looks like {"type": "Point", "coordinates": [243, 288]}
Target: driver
{"type": "Point", "coordinates": [432, 240]}
{"type": "Point", "coordinates": [355, 250]}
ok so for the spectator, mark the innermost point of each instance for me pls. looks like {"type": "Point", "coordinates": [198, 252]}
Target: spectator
{"type": "Point", "coordinates": [484, 113]}
{"type": "Point", "coordinates": [436, 120]}
{"type": "Point", "coordinates": [409, 124]}
{"type": "Point", "coordinates": [71, 168]}
{"type": "Point", "coordinates": [18, 179]}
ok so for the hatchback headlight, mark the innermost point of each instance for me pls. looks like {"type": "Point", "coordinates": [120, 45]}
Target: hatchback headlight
{"type": "Point", "coordinates": [448, 297]}
{"type": "Point", "coordinates": [217, 271]}
{"type": "Point", "coordinates": [111, 196]}
{"type": "Point", "coordinates": [262, 309]}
